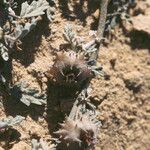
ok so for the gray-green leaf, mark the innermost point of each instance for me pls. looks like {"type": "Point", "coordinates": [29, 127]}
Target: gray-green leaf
{"type": "Point", "coordinates": [36, 8]}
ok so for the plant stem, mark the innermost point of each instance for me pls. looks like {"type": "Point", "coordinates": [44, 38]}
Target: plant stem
{"type": "Point", "coordinates": [74, 110]}
{"type": "Point", "coordinates": [102, 19]}
{"type": "Point", "coordinates": [77, 105]}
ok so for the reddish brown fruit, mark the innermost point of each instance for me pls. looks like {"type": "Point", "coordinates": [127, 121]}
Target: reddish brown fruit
{"type": "Point", "coordinates": [82, 131]}
{"type": "Point", "coordinates": [70, 68]}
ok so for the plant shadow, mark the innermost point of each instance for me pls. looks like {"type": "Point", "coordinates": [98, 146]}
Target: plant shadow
{"type": "Point", "coordinates": [31, 43]}
{"type": "Point", "coordinates": [8, 137]}
{"type": "Point", "coordinates": [59, 103]}
{"type": "Point", "coordinates": [139, 40]}
{"type": "Point", "coordinates": [80, 9]}
{"type": "Point", "coordinates": [13, 106]}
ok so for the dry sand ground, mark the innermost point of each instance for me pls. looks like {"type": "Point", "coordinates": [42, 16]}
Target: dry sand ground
{"type": "Point", "coordinates": [123, 98]}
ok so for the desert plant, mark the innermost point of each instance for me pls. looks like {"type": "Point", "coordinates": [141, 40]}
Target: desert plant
{"type": "Point", "coordinates": [41, 145]}
{"type": "Point", "coordinates": [27, 94]}
{"type": "Point", "coordinates": [10, 121]}
{"type": "Point", "coordinates": [81, 126]}
{"type": "Point", "coordinates": [14, 27]}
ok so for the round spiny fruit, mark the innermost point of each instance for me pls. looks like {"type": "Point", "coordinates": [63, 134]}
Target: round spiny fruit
{"type": "Point", "coordinates": [70, 68]}
{"type": "Point", "coordinates": [69, 131]}
{"type": "Point", "coordinates": [89, 131]}
{"type": "Point", "coordinates": [82, 131]}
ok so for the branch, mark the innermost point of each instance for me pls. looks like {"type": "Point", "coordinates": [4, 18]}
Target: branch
{"type": "Point", "coordinates": [102, 19]}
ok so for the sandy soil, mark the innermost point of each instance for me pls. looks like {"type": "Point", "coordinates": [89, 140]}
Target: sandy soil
{"type": "Point", "coordinates": [122, 99]}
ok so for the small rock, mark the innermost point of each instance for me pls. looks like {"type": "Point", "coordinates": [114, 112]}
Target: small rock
{"type": "Point", "coordinates": [141, 23]}
{"type": "Point", "coordinates": [113, 60]}
{"type": "Point", "coordinates": [141, 7]}
{"type": "Point", "coordinates": [133, 81]}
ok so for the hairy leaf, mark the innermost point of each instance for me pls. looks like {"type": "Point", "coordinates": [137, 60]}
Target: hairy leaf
{"type": "Point", "coordinates": [4, 52]}
{"type": "Point", "coordinates": [41, 145]}
{"type": "Point", "coordinates": [9, 122]}
{"type": "Point", "coordinates": [28, 95]}
{"type": "Point", "coordinates": [36, 8]}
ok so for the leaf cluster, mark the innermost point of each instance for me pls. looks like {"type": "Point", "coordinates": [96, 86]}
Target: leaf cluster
{"type": "Point", "coordinates": [28, 95]}
{"type": "Point", "coordinates": [10, 121]}
{"type": "Point", "coordinates": [14, 28]}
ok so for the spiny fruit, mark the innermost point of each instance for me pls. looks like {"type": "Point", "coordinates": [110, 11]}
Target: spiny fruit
{"type": "Point", "coordinates": [70, 68]}
{"type": "Point", "coordinates": [83, 131]}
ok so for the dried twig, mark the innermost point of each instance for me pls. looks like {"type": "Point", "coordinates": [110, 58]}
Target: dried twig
{"type": "Point", "coordinates": [102, 19]}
